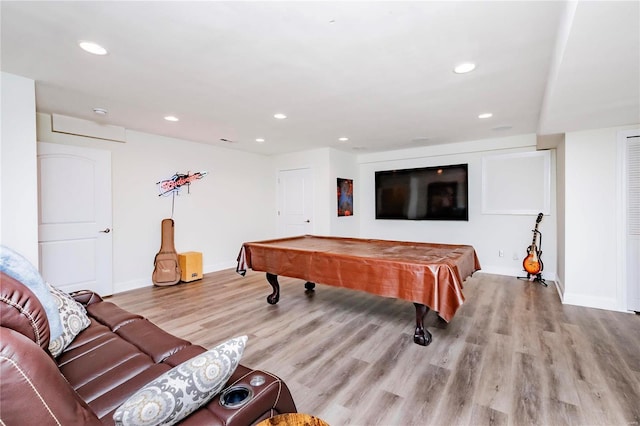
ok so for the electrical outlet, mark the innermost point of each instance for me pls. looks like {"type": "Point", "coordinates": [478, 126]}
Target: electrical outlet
{"type": "Point", "coordinates": [500, 253]}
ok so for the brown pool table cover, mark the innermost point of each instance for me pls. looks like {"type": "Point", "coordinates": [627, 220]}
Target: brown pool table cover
{"type": "Point", "coordinates": [431, 274]}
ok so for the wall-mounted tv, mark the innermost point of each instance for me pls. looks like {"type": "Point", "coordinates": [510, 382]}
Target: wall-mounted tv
{"type": "Point", "coordinates": [428, 193]}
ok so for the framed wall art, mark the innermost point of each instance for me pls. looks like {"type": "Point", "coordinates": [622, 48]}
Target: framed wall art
{"type": "Point", "coordinates": [345, 197]}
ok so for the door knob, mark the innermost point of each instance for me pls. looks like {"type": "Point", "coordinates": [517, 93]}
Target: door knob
{"type": "Point", "coordinates": [106, 231]}
{"type": "Point", "coordinates": [308, 221]}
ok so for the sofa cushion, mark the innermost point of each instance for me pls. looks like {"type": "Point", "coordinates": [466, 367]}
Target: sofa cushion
{"type": "Point", "coordinates": [73, 317]}
{"type": "Point", "coordinates": [111, 315]}
{"type": "Point", "coordinates": [104, 367]}
{"type": "Point", "coordinates": [183, 389]}
{"type": "Point", "coordinates": [151, 339]}
{"type": "Point", "coordinates": [117, 355]}
{"type": "Point", "coordinates": [18, 267]}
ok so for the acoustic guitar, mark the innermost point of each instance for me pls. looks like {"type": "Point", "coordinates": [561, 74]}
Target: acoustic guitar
{"type": "Point", "coordinates": [532, 263]}
{"type": "Point", "coordinates": [166, 266]}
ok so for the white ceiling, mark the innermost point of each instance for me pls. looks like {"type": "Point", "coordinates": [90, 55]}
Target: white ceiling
{"type": "Point", "coordinates": [379, 73]}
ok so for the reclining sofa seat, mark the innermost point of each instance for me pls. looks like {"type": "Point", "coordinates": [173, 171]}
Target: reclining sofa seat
{"type": "Point", "coordinates": [106, 363]}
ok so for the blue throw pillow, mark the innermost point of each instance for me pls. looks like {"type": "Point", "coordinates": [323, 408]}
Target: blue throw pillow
{"type": "Point", "coordinates": [19, 268]}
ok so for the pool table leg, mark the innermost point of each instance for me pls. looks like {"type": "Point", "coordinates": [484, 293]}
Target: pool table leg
{"type": "Point", "coordinates": [421, 336]}
{"type": "Point", "coordinates": [275, 296]}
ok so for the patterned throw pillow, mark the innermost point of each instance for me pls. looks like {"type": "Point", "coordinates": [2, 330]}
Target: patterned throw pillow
{"type": "Point", "coordinates": [183, 389]}
{"type": "Point", "coordinates": [73, 317]}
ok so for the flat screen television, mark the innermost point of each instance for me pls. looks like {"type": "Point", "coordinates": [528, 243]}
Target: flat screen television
{"type": "Point", "coordinates": [428, 193]}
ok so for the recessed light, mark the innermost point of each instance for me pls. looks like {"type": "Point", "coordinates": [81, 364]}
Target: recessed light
{"type": "Point", "coordinates": [343, 139]}
{"type": "Point", "coordinates": [279, 116]}
{"type": "Point", "coordinates": [259, 140]}
{"type": "Point", "coordinates": [91, 47]}
{"type": "Point", "coordinates": [485, 115]}
{"type": "Point", "coordinates": [171, 118]}
{"type": "Point", "coordinates": [464, 68]}
{"type": "Point", "coordinates": [100, 111]}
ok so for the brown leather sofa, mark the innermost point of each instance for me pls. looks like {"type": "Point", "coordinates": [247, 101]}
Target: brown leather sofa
{"type": "Point", "coordinates": [105, 364]}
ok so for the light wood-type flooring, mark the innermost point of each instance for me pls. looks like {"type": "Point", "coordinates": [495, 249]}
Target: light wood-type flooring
{"type": "Point", "coordinates": [512, 355]}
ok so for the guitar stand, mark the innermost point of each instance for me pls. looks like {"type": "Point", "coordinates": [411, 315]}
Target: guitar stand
{"type": "Point", "coordinates": [537, 278]}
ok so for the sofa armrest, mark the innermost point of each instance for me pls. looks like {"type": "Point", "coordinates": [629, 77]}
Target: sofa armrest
{"type": "Point", "coordinates": [32, 387]}
{"type": "Point", "coordinates": [20, 310]}
{"type": "Point", "coordinates": [269, 399]}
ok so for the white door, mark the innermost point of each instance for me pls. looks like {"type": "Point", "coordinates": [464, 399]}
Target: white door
{"type": "Point", "coordinates": [632, 215]}
{"type": "Point", "coordinates": [295, 202]}
{"type": "Point", "coordinates": [74, 218]}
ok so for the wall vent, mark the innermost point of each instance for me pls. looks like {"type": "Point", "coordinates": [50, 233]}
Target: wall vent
{"type": "Point", "coordinates": [87, 128]}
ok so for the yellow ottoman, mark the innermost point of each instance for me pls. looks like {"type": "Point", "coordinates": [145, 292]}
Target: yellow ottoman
{"type": "Point", "coordinates": [191, 265]}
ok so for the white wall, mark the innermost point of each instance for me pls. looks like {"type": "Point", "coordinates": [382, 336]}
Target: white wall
{"type": "Point", "coordinates": [327, 165]}
{"type": "Point", "coordinates": [19, 187]}
{"type": "Point", "coordinates": [591, 212]}
{"type": "Point", "coordinates": [318, 160]}
{"type": "Point", "coordinates": [487, 233]}
{"type": "Point", "coordinates": [223, 210]}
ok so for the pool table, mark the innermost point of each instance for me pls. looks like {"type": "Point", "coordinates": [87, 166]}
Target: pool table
{"type": "Point", "coordinates": [429, 275]}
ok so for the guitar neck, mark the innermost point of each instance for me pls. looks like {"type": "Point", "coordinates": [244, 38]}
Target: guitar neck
{"type": "Point", "coordinates": [535, 230]}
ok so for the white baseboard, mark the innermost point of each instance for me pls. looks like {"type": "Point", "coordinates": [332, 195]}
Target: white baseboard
{"type": "Point", "coordinates": [132, 285]}
{"type": "Point", "coordinates": [586, 301]}
{"type": "Point", "coordinates": [609, 304]}
{"type": "Point", "coordinates": [513, 272]}
{"type": "Point", "coordinates": [218, 266]}
{"type": "Point", "coordinates": [500, 270]}
{"type": "Point", "coordinates": [146, 282]}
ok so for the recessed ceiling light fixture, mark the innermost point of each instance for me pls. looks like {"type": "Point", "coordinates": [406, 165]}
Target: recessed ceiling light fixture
{"type": "Point", "coordinates": [91, 47]}
{"type": "Point", "coordinates": [260, 140]}
{"type": "Point", "coordinates": [100, 111]}
{"type": "Point", "coordinates": [464, 67]}
{"type": "Point", "coordinates": [343, 139]}
{"type": "Point", "coordinates": [279, 116]}
{"type": "Point", "coordinates": [171, 118]}
{"type": "Point", "coordinates": [485, 115]}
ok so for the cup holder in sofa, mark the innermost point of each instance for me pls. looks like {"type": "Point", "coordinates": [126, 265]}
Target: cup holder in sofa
{"type": "Point", "coordinates": [236, 396]}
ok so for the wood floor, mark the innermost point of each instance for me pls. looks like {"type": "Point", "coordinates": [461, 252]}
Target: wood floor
{"type": "Point", "coordinates": [512, 355]}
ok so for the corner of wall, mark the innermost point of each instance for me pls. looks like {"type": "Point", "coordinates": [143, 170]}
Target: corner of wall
{"type": "Point", "coordinates": [19, 203]}
{"type": "Point", "coordinates": [560, 288]}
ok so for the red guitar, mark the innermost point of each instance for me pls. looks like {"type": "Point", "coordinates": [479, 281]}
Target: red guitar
{"type": "Point", "coordinates": [532, 263]}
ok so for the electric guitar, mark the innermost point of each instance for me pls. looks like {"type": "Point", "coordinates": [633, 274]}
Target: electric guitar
{"type": "Point", "coordinates": [532, 263]}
